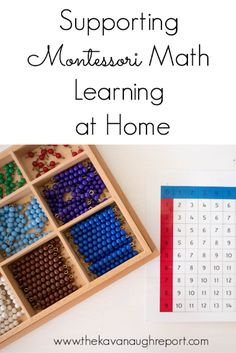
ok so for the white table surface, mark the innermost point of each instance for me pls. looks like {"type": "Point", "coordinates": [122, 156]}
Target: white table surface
{"type": "Point", "coordinates": [119, 310]}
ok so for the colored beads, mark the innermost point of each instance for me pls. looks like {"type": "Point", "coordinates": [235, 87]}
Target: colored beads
{"type": "Point", "coordinates": [102, 241]}
{"type": "Point", "coordinates": [74, 191]}
{"type": "Point", "coordinates": [10, 310]}
{"type": "Point", "coordinates": [11, 179]}
{"type": "Point", "coordinates": [44, 275]}
{"type": "Point", "coordinates": [20, 226]}
{"type": "Point", "coordinates": [47, 157]}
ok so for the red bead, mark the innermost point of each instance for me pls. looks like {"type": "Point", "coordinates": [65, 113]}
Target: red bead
{"type": "Point", "coordinates": [50, 150]}
{"type": "Point", "coordinates": [30, 154]}
{"type": "Point", "coordinates": [42, 157]}
{"type": "Point", "coordinates": [35, 163]}
{"type": "Point", "coordinates": [52, 164]}
{"type": "Point", "coordinates": [74, 153]}
{"type": "Point", "coordinates": [40, 164]}
{"type": "Point", "coordinates": [45, 169]}
{"type": "Point", "coordinates": [58, 155]}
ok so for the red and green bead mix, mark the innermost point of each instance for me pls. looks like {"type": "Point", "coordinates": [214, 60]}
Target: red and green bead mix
{"type": "Point", "coordinates": [11, 179]}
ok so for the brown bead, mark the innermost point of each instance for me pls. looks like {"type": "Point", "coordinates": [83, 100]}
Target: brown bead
{"type": "Point", "coordinates": [53, 287]}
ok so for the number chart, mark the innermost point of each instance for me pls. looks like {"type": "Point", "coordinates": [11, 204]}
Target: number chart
{"type": "Point", "coordinates": [198, 250]}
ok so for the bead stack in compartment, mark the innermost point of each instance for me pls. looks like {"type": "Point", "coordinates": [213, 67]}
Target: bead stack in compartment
{"type": "Point", "coordinates": [74, 191]}
{"type": "Point", "coordinates": [44, 275]}
{"type": "Point", "coordinates": [11, 179]}
{"type": "Point", "coordinates": [21, 224]}
{"type": "Point", "coordinates": [103, 241]}
{"type": "Point", "coordinates": [39, 160]}
{"type": "Point", "coordinates": [10, 311]}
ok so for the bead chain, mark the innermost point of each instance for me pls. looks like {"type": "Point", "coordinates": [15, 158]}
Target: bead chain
{"type": "Point", "coordinates": [74, 191]}
{"type": "Point", "coordinates": [11, 179]}
{"type": "Point", "coordinates": [10, 310]}
{"type": "Point", "coordinates": [20, 226]}
{"type": "Point", "coordinates": [44, 275]}
{"type": "Point", "coordinates": [103, 241]}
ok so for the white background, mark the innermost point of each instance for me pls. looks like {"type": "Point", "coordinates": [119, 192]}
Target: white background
{"type": "Point", "coordinates": [120, 309]}
{"type": "Point", "coordinates": [37, 104]}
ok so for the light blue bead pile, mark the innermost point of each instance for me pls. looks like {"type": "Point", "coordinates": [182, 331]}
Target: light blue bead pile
{"type": "Point", "coordinates": [21, 226]}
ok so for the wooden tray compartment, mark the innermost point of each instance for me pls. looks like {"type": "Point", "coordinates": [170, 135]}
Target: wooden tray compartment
{"type": "Point", "coordinates": [22, 197]}
{"type": "Point", "coordinates": [87, 284]}
{"type": "Point", "coordinates": [71, 268]}
{"type": "Point", "coordinates": [125, 226]}
{"type": "Point", "coordinates": [15, 177]}
{"type": "Point", "coordinates": [49, 182]}
{"type": "Point", "coordinates": [25, 159]}
{"type": "Point", "coordinates": [22, 318]}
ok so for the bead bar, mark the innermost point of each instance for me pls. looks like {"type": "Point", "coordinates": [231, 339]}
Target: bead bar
{"type": "Point", "coordinates": [66, 233]}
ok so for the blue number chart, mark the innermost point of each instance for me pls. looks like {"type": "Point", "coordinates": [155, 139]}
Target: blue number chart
{"type": "Point", "coordinates": [198, 250]}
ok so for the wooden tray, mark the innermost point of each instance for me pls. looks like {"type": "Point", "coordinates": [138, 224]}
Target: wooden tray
{"type": "Point", "coordinates": [88, 284]}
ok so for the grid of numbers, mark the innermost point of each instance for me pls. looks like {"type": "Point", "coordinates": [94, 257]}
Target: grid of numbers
{"type": "Point", "coordinates": [203, 251]}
